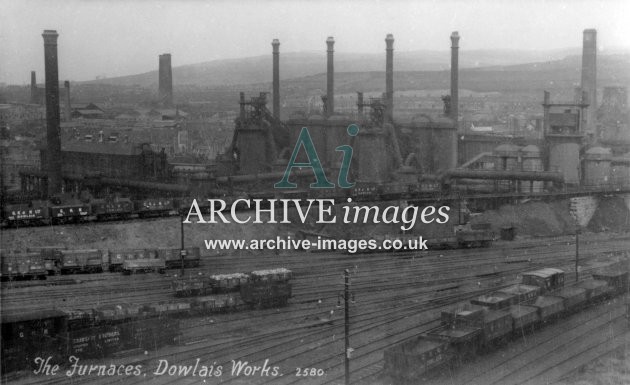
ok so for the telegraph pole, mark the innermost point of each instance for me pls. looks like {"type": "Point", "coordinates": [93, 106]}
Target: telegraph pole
{"type": "Point", "coordinates": [348, 349]}
{"type": "Point", "coordinates": [577, 248]}
{"type": "Point", "coordinates": [182, 251]}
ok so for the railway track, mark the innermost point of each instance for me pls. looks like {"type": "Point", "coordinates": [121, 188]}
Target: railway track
{"type": "Point", "coordinates": [381, 317]}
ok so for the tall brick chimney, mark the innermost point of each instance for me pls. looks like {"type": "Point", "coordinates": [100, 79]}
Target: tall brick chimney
{"type": "Point", "coordinates": [53, 163]}
{"type": "Point", "coordinates": [589, 77]}
{"type": "Point", "coordinates": [276, 78]}
{"type": "Point", "coordinates": [165, 88]}
{"type": "Point", "coordinates": [455, 77]}
{"type": "Point", "coordinates": [330, 77]}
{"type": "Point", "coordinates": [34, 94]}
{"type": "Point", "coordinates": [389, 79]}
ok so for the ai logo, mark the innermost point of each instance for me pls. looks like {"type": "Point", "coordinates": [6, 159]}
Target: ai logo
{"type": "Point", "coordinates": [304, 140]}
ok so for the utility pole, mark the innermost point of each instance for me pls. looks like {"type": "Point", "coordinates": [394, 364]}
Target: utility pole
{"type": "Point", "coordinates": [346, 295]}
{"type": "Point", "coordinates": [577, 248]}
{"type": "Point", "coordinates": [574, 210]}
{"type": "Point", "coordinates": [346, 300]}
{"type": "Point", "coordinates": [182, 251]}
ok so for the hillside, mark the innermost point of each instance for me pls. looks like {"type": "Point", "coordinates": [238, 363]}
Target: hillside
{"type": "Point", "coordinates": [293, 65]}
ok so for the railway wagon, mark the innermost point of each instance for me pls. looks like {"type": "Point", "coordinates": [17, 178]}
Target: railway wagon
{"type": "Point", "coordinates": [26, 336]}
{"type": "Point", "coordinates": [51, 256]}
{"type": "Point", "coordinates": [574, 297]}
{"type": "Point", "coordinates": [524, 318]}
{"type": "Point", "coordinates": [190, 286]}
{"type": "Point", "coordinates": [173, 257]}
{"type": "Point", "coordinates": [32, 214]}
{"type": "Point", "coordinates": [149, 333]}
{"type": "Point", "coordinates": [94, 342]}
{"type": "Point", "coordinates": [595, 289]}
{"type": "Point", "coordinates": [401, 360]}
{"type": "Point", "coordinates": [116, 258]}
{"type": "Point", "coordinates": [69, 213]}
{"type": "Point", "coordinates": [154, 207]}
{"type": "Point", "coordinates": [105, 209]}
{"type": "Point", "coordinates": [81, 261]}
{"type": "Point", "coordinates": [467, 238]}
{"type": "Point", "coordinates": [549, 307]}
{"type": "Point", "coordinates": [146, 265]}
{"type": "Point", "coordinates": [217, 303]}
{"type": "Point", "coordinates": [266, 293]}
{"type": "Point", "coordinates": [93, 333]}
{"type": "Point", "coordinates": [547, 280]}
{"type": "Point", "coordinates": [470, 329]}
{"type": "Point", "coordinates": [616, 279]}
{"type": "Point", "coordinates": [227, 283]}
{"type": "Point", "coordinates": [22, 266]}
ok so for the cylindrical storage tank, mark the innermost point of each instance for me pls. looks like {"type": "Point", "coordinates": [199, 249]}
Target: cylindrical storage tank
{"type": "Point", "coordinates": [597, 164]}
{"type": "Point", "coordinates": [531, 160]}
{"type": "Point", "coordinates": [507, 157]}
{"type": "Point", "coordinates": [565, 158]}
{"type": "Point", "coordinates": [620, 170]}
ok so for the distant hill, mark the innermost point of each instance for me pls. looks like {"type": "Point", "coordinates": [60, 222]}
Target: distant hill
{"type": "Point", "coordinates": [551, 75]}
{"type": "Point", "coordinates": [257, 69]}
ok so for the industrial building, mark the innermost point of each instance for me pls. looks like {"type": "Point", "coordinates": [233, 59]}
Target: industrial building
{"type": "Point", "coordinates": [578, 143]}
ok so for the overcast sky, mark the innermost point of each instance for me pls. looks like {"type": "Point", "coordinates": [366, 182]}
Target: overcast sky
{"type": "Point", "coordinates": [122, 37]}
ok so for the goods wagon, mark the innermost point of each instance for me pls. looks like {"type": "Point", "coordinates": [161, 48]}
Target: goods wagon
{"type": "Point", "coordinates": [116, 258]}
{"type": "Point", "coordinates": [266, 293]}
{"type": "Point", "coordinates": [173, 257]}
{"type": "Point", "coordinates": [81, 261]}
{"type": "Point", "coordinates": [154, 207]}
{"type": "Point", "coordinates": [26, 336]}
{"type": "Point", "coordinates": [546, 279]}
{"type": "Point", "coordinates": [105, 209]}
{"type": "Point", "coordinates": [227, 283]}
{"type": "Point", "coordinates": [411, 359]}
{"type": "Point", "coordinates": [69, 213]}
{"type": "Point", "coordinates": [470, 328]}
{"type": "Point", "coordinates": [35, 213]}
{"type": "Point", "coordinates": [134, 266]}
{"type": "Point", "coordinates": [87, 333]}
{"type": "Point", "coordinates": [22, 266]}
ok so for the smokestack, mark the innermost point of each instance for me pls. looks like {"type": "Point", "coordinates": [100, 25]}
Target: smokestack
{"type": "Point", "coordinates": [66, 85]}
{"type": "Point", "coordinates": [165, 90]}
{"type": "Point", "coordinates": [455, 77]}
{"type": "Point", "coordinates": [330, 80]}
{"type": "Point", "coordinates": [389, 79]}
{"type": "Point", "coordinates": [589, 76]}
{"type": "Point", "coordinates": [52, 112]}
{"type": "Point", "coordinates": [34, 96]}
{"type": "Point", "coordinates": [276, 78]}
{"type": "Point", "coordinates": [360, 103]}
{"type": "Point", "coordinates": [546, 106]}
{"type": "Point", "coordinates": [242, 106]}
